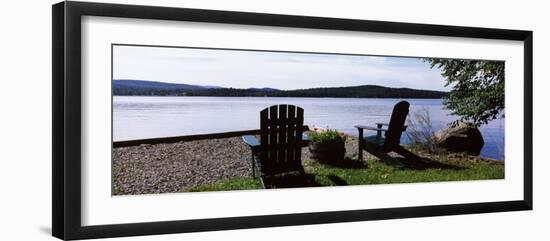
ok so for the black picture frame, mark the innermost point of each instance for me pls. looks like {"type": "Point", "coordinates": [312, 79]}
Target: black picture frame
{"type": "Point", "coordinates": [66, 75]}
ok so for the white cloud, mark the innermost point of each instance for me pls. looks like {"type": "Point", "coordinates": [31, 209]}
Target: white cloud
{"type": "Point", "coordinates": [247, 69]}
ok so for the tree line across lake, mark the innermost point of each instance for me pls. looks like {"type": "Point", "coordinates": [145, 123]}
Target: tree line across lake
{"type": "Point", "coordinates": [364, 91]}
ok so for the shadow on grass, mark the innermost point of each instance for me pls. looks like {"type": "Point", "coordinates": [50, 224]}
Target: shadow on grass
{"type": "Point", "coordinates": [337, 180]}
{"type": "Point", "coordinates": [291, 180]}
{"type": "Point", "coordinates": [303, 180]}
{"type": "Point", "coordinates": [421, 163]}
{"type": "Point", "coordinates": [407, 159]}
{"type": "Point", "coordinates": [348, 163]}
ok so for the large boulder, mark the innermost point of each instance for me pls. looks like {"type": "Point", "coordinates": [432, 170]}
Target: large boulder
{"type": "Point", "coordinates": [462, 138]}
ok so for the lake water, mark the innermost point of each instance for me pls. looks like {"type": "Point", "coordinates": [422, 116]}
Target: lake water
{"type": "Point", "coordinates": [149, 117]}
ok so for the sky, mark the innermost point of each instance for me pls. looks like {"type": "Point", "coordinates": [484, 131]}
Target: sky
{"type": "Point", "coordinates": [259, 69]}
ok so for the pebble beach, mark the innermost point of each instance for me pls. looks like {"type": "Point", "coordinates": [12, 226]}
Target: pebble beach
{"type": "Point", "coordinates": [171, 167]}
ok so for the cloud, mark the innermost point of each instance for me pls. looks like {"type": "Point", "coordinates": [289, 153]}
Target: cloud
{"type": "Point", "coordinates": [247, 69]}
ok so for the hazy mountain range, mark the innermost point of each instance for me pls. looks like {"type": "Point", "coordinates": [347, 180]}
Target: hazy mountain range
{"type": "Point", "coordinates": [154, 88]}
{"type": "Point", "coordinates": [144, 84]}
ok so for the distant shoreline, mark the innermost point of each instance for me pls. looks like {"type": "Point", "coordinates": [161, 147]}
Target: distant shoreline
{"type": "Point", "coordinates": [339, 97]}
{"type": "Point", "coordinates": [152, 88]}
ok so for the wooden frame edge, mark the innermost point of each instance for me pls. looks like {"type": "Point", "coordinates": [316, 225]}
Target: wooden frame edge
{"type": "Point", "coordinates": [66, 208]}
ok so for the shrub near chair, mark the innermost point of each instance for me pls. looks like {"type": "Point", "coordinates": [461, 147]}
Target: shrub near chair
{"type": "Point", "coordinates": [327, 146]}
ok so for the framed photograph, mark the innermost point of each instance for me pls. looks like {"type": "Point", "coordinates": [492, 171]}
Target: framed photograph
{"type": "Point", "coordinates": [171, 120]}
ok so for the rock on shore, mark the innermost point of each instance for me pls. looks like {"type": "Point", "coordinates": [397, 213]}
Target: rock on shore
{"type": "Point", "coordinates": [462, 138]}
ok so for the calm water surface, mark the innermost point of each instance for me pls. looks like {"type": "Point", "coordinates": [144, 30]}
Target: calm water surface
{"type": "Point", "coordinates": [148, 117]}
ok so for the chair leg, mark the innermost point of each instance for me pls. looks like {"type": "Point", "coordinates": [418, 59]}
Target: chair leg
{"type": "Point", "coordinates": [384, 157]}
{"type": "Point", "coordinates": [360, 148]}
{"type": "Point", "coordinates": [407, 154]}
{"type": "Point", "coordinates": [253, 166]}
{"type": "Point", "coordinates": [262, 182]}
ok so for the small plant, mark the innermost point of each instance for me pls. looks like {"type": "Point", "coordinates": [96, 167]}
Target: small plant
{"type": "Point", "coordinates": [326, 136]}
{"type": "Point", "coordinates": [327, 146]}
{"type": "Point", "coordinates": [421, 132]}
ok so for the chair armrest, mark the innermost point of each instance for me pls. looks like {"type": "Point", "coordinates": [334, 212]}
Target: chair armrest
{"type": "Point", "coordinates": [252, 142]}
{"type": "Point", "coordinates": [305, 137]}
{"type": "Point", "coordinates": [305, 140]}
{"type": "Point", "coordinates": [370, 128]}
{"type": "Point", "coordinates": [387, 124]}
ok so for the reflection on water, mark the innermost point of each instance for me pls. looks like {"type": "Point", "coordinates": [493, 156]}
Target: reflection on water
{"type": "Point", "coordinates": [148, 117]}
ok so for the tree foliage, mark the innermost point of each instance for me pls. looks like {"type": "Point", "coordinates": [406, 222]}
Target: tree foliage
{"type": "Point", "coordinates": [477, 93]}
{"type": "Point", "coordinates": [365, 91]}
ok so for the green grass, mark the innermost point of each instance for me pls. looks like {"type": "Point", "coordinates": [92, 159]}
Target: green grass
{"type": "Point", "coordinates": [376, 173]}
{"type": "Point", "coordinates": [380, 173]}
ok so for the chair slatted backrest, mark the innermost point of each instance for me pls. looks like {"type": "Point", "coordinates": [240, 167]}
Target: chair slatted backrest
{"type": "Point", "coordinates": [397, 124]}
{"type": "Point", "coordinates": [281, 139]}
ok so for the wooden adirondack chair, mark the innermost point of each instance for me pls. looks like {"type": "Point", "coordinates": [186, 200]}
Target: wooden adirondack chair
{"type": "Point", "coordinates": [281, 140]}
{"type": "Point", "coordinates": [379, 145]}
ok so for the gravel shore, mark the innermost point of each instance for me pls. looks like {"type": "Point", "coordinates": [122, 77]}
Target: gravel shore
{"type": "Point", "coordinates": [165, 168]}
